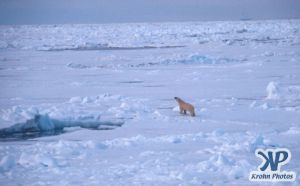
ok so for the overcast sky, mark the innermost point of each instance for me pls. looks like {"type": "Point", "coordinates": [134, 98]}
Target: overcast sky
{"type": "Point", "coordinates": [108, 11]}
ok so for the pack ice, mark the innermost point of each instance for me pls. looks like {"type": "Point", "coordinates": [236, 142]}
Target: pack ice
{"type": "Point", "coordinates": [93, 104]}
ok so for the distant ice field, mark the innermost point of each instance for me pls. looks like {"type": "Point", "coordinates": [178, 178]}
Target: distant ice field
{"type": "Point", "coordinates": [147, 35]}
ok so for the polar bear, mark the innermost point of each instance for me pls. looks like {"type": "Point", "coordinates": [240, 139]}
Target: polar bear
{"type": "Point", "coordinates": [183, 106]}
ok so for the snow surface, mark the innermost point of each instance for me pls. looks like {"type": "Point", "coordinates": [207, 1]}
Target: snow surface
{"type": "Point", "coordinates": [93, 104]}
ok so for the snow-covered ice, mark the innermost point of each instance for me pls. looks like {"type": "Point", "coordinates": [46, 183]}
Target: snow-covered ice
{"type": "Point", "coordinates": [93, 104]}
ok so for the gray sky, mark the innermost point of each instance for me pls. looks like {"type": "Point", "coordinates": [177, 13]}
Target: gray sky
{"type": "Point", "coordinates": [107, 11]}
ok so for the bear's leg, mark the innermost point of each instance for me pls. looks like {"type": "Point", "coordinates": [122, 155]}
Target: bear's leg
{"type": "Point", "coordinates": [184, 111]}
{"type": "Point", "coordinates": [181, 110]}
